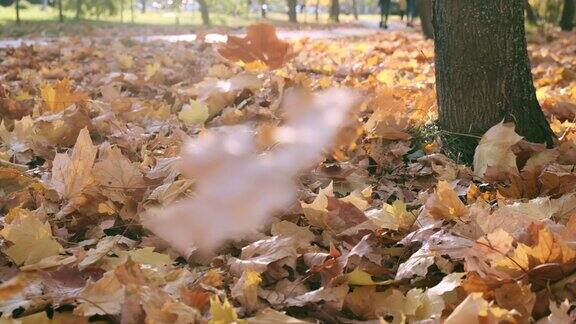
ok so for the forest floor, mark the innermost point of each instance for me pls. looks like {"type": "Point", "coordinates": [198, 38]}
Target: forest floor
{"type": "Point", "coordinates": [155, 181]}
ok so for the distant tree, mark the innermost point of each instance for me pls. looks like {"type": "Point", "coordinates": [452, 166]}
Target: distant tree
{"type": "Point", "coordinates": [317, 11]}
{"type": "Point", "coordinates": [567, 20]}
{"type": "Point", "coordinates": [263, 8]}
{"type": "Point", "coordinates": [355, 9]}
{"type": "Point", "coordinates": [17, 6]}
{"type": "Point", "coordinates": [426, 18]}
{"type": "Point", "coordinates": [335, 10]}
{"type": "Point", "coordinates": [292, 13]}
{"type": "Point", "coordinates": [205, 12]}
{"type": "Point", "coordinates": [60, 12]}
{"type": "Point", "coordinates": [530, 13]}
{"type": "Point", "coordinates": [78, 9]}
{"type": "Point", "coordinates": [131, 11]}
{"type": "Point", "coordinates": [143, 3]}
{"type": "Point", "coordinates": [484, 79]}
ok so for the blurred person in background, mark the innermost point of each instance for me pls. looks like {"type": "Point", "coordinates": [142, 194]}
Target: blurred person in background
{"type": "Point", "coordinates": [384, 12]}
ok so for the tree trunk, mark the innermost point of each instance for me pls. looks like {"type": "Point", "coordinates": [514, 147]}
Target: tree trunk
{"type": "Point", "coordinates": [292, 15]}
{"type": "Point", "coordinates": [355, 9]}
{"type": "Point", "coordinates": [78, 9]}
{"type": "Point", "coordinates": [263, 8]}
{"type": "Point", "coordinates": [567, 20]}
{"type": "Point", "coordinates": [44, 5]}
{"type": "Point", "coordinates": [335, 10]}
{"type": "Point", "coordinates": [530, 14]}
{"type": "Point", "coordinates": [483, 72]}
{"type": "Point", "coordinates": [60, 12]}
{"type": "Point", "coordinates": [17, 6]}
{"type": "Point", "coordinates": [143, 2]}
{"type": "Point", "coordinates": [131, 11]}
{"type": "Point", "coordinates": [121, 11]}
{"type": "Point", "coordinates": [317, 11]}
{"type": "Point", "coordinates": [205, 12]}
{"type": "Point", "coordinates": [426, 18]}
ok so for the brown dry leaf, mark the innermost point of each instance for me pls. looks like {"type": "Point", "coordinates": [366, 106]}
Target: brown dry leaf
{"type": "Point", "coordinates": [260, 43]}
{"type": "Point", "coordinates": [72, 173]}
{"type": "Point", "coordinates": [476, 310]}
{"type": "Point", "coordinates": [103, 297]}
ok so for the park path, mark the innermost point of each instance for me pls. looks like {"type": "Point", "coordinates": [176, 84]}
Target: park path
{"type": "Point", "coordinates": [363, 29]}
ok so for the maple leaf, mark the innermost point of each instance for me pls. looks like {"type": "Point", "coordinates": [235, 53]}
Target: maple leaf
{"type": "Point", "coordinates": [475, 309]}
{"type": "Point", "coordinates": [194, 113]}
{"type": "Point", "coordinates": [246, 289]}
{"type": "Point", "coordinates": [494, 150]}
{"type": "Point", "coordinates": [60, 96]}
{"type": "Point", "coordinates": [444, 203]}
{"type": "Point", "coordinates": [116, 173]}
{"type": "Point", "coordinates": [103, 297]}
{"type": "Point", "coordinates": [71, 174]}
{"type": "Point", "coordinates": [32, 240]}
{"type": "Point", "coordinates": [147, 255]}
{"type": "Point", "coordinates": [260, 43]}
{"type": "Point", "coordinates": [222, 312]}
{"type": "Point", "coordinates": [207, 219]}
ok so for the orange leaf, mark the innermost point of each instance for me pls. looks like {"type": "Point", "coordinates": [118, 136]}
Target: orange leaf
{"type": "Point", "coordinates": [261, 43]}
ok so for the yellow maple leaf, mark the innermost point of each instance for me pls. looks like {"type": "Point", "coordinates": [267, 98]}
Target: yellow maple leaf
{"type": "Point", "coordinates": [222, 312]}
{"type": "Point", "coordinates": [32, 240]}
{"type": "Point", "coordinates": [195, 113]}
{"type": "Point", "coordinates": [59, 96]}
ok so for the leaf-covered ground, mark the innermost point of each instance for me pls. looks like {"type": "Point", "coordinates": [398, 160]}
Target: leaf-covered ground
{"type": "Point", "coordinates": [129, 192]}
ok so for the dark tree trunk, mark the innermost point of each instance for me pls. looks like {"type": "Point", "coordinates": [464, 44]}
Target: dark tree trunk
{"type": "Point", "coordinates": [131, 11]}
{"type": "Point", "coordinates": [355, 9]}
{"type": "Point", "coordinates": [426, 18]}
{"type": "Point", "coordinates": [567, 20]}
{"type": "Point", "coordinates": [335, 10]}
{"type": "Point", "coordinates": [17, 6]}
{"type": "Point", "coordinates": [263, 9]}
{"type": "Point", "coordinates": [204, 12]}
{"type": "Point", "coordinates": [60, 13]}
{"type": "Point", "coordinates": [530, 14]}
{"type": "Point", "coordinates": [292, 15]}
{"type": "Point", "coordinates": [143, 2]}
{"type": "Point", "coordinates": [317, 11]}
{"type": "Point", "coordinates": [483, 72]}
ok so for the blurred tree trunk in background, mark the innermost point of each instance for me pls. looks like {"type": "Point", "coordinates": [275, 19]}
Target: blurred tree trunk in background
{"type": "Point", "coordinates": [426, 18]}
{"type": "Point", "coordinates": [335, 10]}
{"type": "Point", "coordinates": [205, 12]}
{"type": "Point", "coordinates": [292, 15]}
{"type": "Point", "coordinates": [567, 20]}
{"type": "Point", "coordinates": [143, 3]}
{"type": "Point", "coordinates": [355, 9]}
{"type": "Point", "coordinates": [60, 12]}
{"type": "Point", "coordinates": [317, 11]}
{"type": "Point", "coordinates": [44, 5]}
{"type": "Point", "coordinates": [483, 73]}
{"type": "Point", "coordinates": [121, 11]}
{"type": "Point", "coordinates": [78, 9]}
{"type": "Point", "coordinates": [263, 8]}
{"type": "Point", "coordinates": [131, 11]}
{"type": "Point", "coordinates": [17, 6]}
{"type": "Point", "coordinates": [530, 14]}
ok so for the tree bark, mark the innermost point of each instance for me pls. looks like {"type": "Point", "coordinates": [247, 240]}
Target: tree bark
{"type": "Point", "coordinates": [567, 20]}
{"type": "Point", "coordinates": [60, 12]}
{"type": "Point", "coordinates": [426, 18]}
{"type": "Point", "coordinates": [17, 6]}
{"type": "Point", "coordinates": [355, 9]}
{"type": "Point", "coordinates": [530, 14]}
{"type": "Point", "coordinates": [317, 11]}
{"type": "Point", "coordinates": [335, 10]}
{"type": "Point", "coordinates": [292, 14]}
{"type": "Point", "coordinates": [143, 2]}
{"type": "Point", "coordinates": [483, 73]}
{"type": "Point", "coordinates": [204, 11]}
